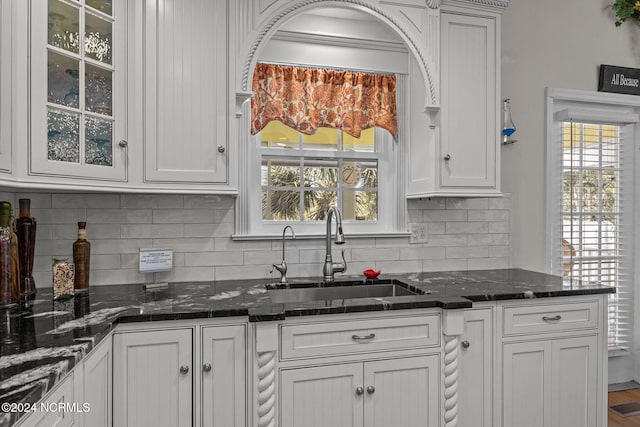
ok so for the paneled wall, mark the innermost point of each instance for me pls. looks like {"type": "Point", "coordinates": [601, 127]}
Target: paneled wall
{"type": "Point", "coordinates": [462, 234]}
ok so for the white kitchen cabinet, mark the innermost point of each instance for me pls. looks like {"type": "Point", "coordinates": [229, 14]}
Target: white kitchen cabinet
{"type": "Point", "coordinates": [180, 374]}
{"type": "Point", "coordinates": [5, 86]}
{"type": "Point", "coordinates": [77, 109]}
{"type": "Point", "coordinates": [48, 414]}
{"type": "Point", "coordinates": [553, 366]}
{"type": "Point", "coordinates": [96, 385]}
{"type": "Point", "coordinates": [475, 372]}
{"type": "Point", "coordinates": [467, 157]}
{"type": "Point", "coordinates": [399, 391]}
{"type": "Point", "coordinates": [152, 378]}
{"type": "Point", "coordinates": [223, 364]}
{"type": "Point", "coordinates": [181, 58]}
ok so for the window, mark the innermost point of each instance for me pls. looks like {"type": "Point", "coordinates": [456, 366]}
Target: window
{"type": "Point", "coordinates": [589, 199]}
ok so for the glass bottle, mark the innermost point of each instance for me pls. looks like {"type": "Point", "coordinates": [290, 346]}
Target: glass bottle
{"type": "Point", "coordinates": [81, 259]}
{"type": "Point", "coordinates": [26, 231]}
{"type": "Point", "coordinates": [9, 263]}
{"type": "Point", "coordinates": [508, 127]}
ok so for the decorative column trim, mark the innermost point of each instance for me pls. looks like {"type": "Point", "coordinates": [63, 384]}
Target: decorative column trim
{"type": "Point", "coordinates": [266, 347]}
{"type": "Point", "coordinates": [452, 328]}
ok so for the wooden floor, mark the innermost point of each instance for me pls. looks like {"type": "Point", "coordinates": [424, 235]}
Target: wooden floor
{"type": "Point", "coordinates": [616, 397]}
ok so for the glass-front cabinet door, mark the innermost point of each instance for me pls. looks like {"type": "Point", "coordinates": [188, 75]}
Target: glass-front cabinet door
{"type": "Point", "coordinates": [78, 89]}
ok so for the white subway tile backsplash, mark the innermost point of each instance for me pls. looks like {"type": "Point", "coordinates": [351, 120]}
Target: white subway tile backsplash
{"type": "Point", "coordinates": [462, 233]}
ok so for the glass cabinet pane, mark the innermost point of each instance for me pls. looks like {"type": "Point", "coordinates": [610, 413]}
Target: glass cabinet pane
{"type": "Point", "coordinates": [99, 144]}
{"type": "Point", "coordinates": [63, 26]}
{"type": "Point", "coordinates": [98, 82]}
{"type": "Point", "coordinates": [63, 85]}
{"type": "Point", "coordinates": [63, 136]}
{"type": "Point", "coordinates": [97, 38]}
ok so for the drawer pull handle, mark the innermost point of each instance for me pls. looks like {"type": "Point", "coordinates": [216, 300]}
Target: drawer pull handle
{"type": "Point", "coordinates": [359, 391]}
{"type": "Point", "coordinates": [358, 338]}
{"type": "Point", "coordinates": [551, 319]}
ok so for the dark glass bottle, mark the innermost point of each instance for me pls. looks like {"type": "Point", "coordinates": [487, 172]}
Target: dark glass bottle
{"type": "Point", "coordinates": [9, 263]}
{"type": "Point", "coordinates": [81, 259]}
{"type": "Point", "coordinates": [26, 231]}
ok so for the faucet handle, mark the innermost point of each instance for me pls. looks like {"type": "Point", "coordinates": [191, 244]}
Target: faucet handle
{"type": "Point", "coordinates": [340, 267]}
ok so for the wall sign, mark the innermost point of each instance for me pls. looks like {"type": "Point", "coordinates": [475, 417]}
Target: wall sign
{"type": "Point", "coordinates": [155, 260]}
{"type": "Point", "coordinates": [619, 80]}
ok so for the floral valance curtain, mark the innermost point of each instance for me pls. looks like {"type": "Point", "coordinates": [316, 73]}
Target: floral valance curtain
{"type": "Point", "coordinates": [308, 98]}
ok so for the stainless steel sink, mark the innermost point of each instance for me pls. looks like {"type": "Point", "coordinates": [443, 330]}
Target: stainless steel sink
{"type": "Point", "coordinates": [342, 290]}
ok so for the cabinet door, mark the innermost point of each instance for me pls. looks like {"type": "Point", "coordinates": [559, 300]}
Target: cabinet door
{"type": "Point", "coordinates": [526, 384]}
{"type": "Point", "coordinates": [152, 381]}
{"type": "Point", "coordinates": [402, 392]}
{"type": "Point", "coordinates": [183, 47]}
{"type": "Point", "coordinates": [574, 362]}
{"type": "Point", "coordinates": [5, 86]}
{"type": "Point", "coordinates": [475, 370]}
{"type": "Point", "coordinates": [322, 396]}
{"type": "Point", "coordinates": [63, 394]}
{"type": "Point", "coordinates": [223, 376]}
{"type": "Point", "coordinates": [469, 136]}
{"type": "Point", "coordinates": [97, 386]}
{"type": "Point", "coordinates": [77, 105]}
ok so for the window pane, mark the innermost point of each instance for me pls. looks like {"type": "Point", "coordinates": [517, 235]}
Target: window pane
{"type": "Point", "coordinates": [280, 173]}
{"type": "Point", "coordinates": [99, 142]}
{"type": "Point", "coordinates": [104, 6]}
{"type": "Point", "coordinates": [323, 139]}
{"type": "Point", "coordinates": [280, 205]}
{"type": "Point", "coordinates": [322, 174]}
{"type": "Point", "coordinates": [62, 75]}
{"type": "Point", "coordinates": [277, 135]}
{"type": "Point", "coordinates": [63, 26]}
{"type": "Point", "coordinates": [360, 205]}
{"type": "Point", "coordinates": [63, 136]}
{"type": "Point", "coordinates": [365, 143]}
{"type": "Point", "coordinates": [316, 204]}
{"type": "Point", "coordinates": [369, 175]}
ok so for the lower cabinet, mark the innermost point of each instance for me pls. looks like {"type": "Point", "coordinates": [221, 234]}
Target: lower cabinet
{"type": "Point", "coordinates": [180, 377]}
{"type": "Point", "coordinates": [63, 394]}
{"type": "Point", "coordinates": [554, 363]}
{"type": "Point", "coordinates": [379, 393]}
{"type": "Point", "coordinates": [475, 369]}
{"type": "Point", "coordinates": [96, 386]}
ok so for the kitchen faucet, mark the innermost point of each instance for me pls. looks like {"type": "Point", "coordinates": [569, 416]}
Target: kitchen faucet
{"type": "Point", "coordinates": [330, 268]}
{"type": "Point", "coordinates": [282, 267]}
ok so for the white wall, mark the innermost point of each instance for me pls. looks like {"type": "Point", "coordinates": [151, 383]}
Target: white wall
{"type": "Point", "coordinates": [550, 43]}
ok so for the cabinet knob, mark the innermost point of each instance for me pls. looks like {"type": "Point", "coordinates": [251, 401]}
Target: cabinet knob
{"type": "Point", "coordinates": [206, 367]}
{"type": "Point", "coordinates": [359, 391]}
{"type": "Point", "coordinates": [221, 149]}
{"type": "Point", "coordinates": [184, 369]}
{"type": "Point", "coordinates": [447, 157]}
{"type": "Point", "coordinates": [465, 344]}
{"type": "Point", "coordinates": [123, 144]}
{"type": "Point", "coordinates": [371, 389]}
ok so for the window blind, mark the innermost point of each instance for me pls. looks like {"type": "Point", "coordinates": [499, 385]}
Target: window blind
{"type": "Point", "coordinates": [595, 198]}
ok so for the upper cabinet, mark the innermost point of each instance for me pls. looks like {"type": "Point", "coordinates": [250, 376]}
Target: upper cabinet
{"type": "Point", "coordinates": [181, 75]}
{"type": "Point", "coordinates": [457, 152]}
{"type": "Point", "coordinates": [77, 86]}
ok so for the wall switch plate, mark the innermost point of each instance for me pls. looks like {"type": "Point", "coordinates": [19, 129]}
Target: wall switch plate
{"type": "Point", "coordinates": [418, 233]}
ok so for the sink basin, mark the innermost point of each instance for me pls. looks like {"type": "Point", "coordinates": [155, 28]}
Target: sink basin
{"type": "Point", "coordinates": [342, 290]}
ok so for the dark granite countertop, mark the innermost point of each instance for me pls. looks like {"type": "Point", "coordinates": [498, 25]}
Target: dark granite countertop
{"type": "Point", "coordinates": [41, 344]}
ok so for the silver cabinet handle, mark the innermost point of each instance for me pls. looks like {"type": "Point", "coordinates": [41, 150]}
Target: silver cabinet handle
{"type": "Point", "coordinates": [371, 389]}
{"type": "Point", "coordinates": [551, 319]}
{"type": "Point", "coordinates": [206, 367]}
{"type": "Point", "coordinates": [123, 144]}
{"type": "Point", "coordinates": [359, 338]}
{"type": "Point", "coordinates": [221, 149]}
{"type": "Point", "coordinates": [447, 157]}
{"type": "Point", "coordinates": [184, 369]}
{"type": "Point", "coordinates": [359, 391]}
{"type": "Point", "coordinates": [465, 344]}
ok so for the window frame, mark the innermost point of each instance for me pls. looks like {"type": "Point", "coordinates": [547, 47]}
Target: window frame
{"type": "Point", "coordinates": [603, 108]}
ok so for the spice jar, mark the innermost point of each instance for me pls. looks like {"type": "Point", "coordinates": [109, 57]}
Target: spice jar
{"type": "Point", "coordinates": [63, 275]}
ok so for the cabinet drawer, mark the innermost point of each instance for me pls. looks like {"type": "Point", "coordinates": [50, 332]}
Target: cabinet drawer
{"type": "Point", "coordinates": [550, 318]}
{"type": "Point", "coordinates": [57, 408]}
{"type": "Point", "coordinates": [364, 335]}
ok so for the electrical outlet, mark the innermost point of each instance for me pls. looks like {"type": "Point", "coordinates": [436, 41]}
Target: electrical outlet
{"type": "Point", "coordinates": [418, 233]}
